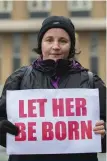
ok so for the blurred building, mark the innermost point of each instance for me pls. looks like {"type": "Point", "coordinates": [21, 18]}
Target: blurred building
{"type": "Point", "coordinates": [20, 22]}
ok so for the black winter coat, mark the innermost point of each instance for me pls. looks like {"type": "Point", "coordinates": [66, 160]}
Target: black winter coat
{"type": "Point", "coordinates": [41, 76]}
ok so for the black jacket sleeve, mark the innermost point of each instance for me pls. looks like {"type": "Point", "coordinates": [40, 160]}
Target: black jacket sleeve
{"type": "Point", "coordinates": [12, 83]}
{"type": "Point", "coordinates": [102, 98]}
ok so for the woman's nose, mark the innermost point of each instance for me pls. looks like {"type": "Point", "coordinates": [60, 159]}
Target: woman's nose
{"type": "Point", "coordinates": [56, 46]}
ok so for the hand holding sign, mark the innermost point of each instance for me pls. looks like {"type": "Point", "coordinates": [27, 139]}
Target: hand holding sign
{"type": "Point", "coordinates": [7, 127]}
{"type": "Point", "coordinates": [99, 128]}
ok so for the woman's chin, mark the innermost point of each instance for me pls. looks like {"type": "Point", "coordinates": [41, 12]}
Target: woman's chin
{"type": "Point", "coordinates": [55, 58]}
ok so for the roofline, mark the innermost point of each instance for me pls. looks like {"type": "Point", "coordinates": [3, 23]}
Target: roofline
{"type": "Point", "coordinates": [81, 24]}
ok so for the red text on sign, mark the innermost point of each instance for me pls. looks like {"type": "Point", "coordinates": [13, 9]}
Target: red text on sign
{"type": "Point", "coordinates": [69, 107]}
{"type": "Point", "coordinates": [32, 107]}
{"type": "Point", "coordinates": [71, 131]}
{"type": "Point", "coordinates": [23, 135]}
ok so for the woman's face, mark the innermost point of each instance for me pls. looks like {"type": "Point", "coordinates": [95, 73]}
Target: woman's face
{"type": "Point", "coordinates": [55, 44]}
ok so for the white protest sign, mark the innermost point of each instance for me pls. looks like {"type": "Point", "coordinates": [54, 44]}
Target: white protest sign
{"type": "Point", "coordinates": [53, 121]}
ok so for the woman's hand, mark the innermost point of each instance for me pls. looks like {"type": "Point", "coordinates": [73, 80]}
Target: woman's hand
{"type": "Point", "coordinates": [99, 128]}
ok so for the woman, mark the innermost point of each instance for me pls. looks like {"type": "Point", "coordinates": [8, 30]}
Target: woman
{"type": "Point", "coordinates": [56, 68]}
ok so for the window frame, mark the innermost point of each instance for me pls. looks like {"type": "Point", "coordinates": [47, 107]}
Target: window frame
{"type": "Point", "coordinates": [94, 52]}
{"type": "Point", "coordinates": [9, 8]}
{"type": "Point", "coordinates": [16, 55]}
{"type": "Point", "coordinates": [79, 6]}
{"type": "Point", "coordinates": [1, 42]}
{"type": "Point", "coordinates": [39, 7]}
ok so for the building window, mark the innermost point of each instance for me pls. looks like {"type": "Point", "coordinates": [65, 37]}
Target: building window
{"type": "Point", "coordinates": [32, 45]}
{"type": "Point", "coordinates": [0, 60]}
{"type": "Point", "coordinates": [5, 9]}
{"type": "Point", "coordinates": [80, 8]}
{"type": "Point", "coordinates": [94, 52]}
{"type": "Point", "coordinates": [38, 9]}
{"type": "Point", "coordinates": [16, 50]}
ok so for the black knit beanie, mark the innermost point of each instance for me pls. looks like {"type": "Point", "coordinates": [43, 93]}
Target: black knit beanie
{"type": "Point", "coordinates": [57, 22]}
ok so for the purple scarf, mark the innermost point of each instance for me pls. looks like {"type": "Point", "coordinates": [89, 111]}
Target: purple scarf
{"type": "Point", "coordinates": [50, 65]}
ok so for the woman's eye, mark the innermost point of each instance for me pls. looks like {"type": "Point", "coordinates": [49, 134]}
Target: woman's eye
{"type": "Point", "coordinates": [63, 41]}
{"type": "Point", "coordinates": [49, 40]}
